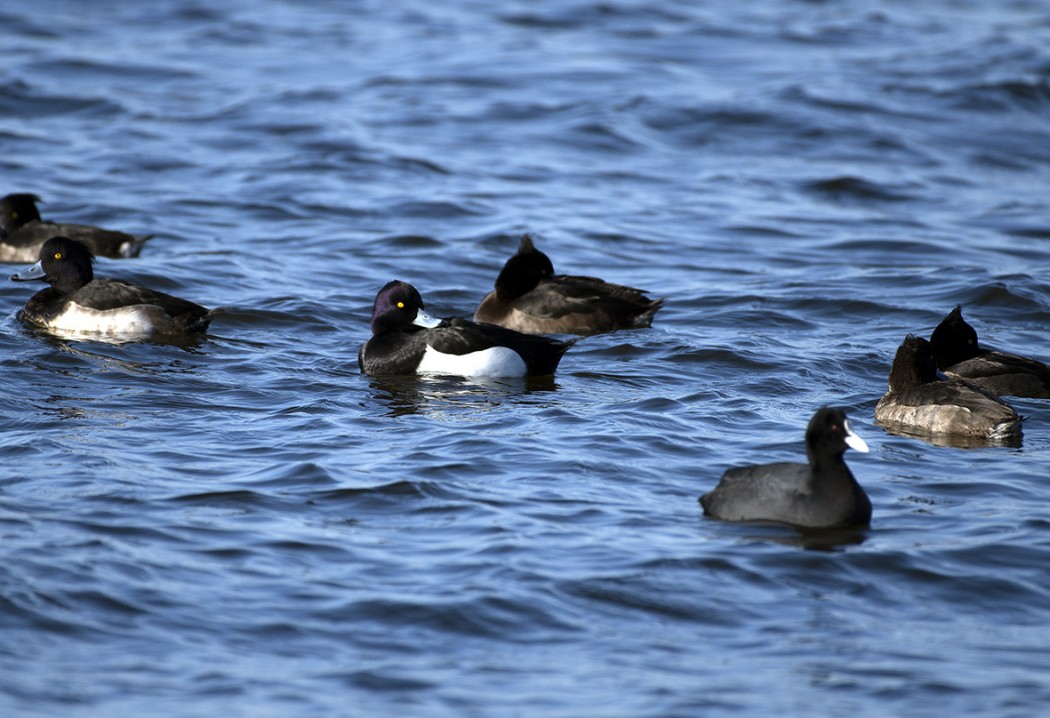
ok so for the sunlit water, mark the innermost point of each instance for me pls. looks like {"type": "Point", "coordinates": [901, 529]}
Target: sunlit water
{"type": "Point", "coordinates": [246, 526]}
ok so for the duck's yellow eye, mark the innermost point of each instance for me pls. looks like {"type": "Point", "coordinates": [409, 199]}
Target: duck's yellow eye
{"type": "Point", "coordinates": [400, 305]}
{"type": "Point", "coordinates": [58, 255]}
{"type": "Point", "coordinates": [14, 215]}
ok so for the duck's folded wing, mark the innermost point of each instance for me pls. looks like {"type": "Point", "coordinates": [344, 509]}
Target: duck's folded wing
{"type": "Point", "coordinates": [103, 294]}
{"type": "Point", "coordinates": [1005, 374]}
{"type": "Point", "coordinates": [994, 363]}
{"type": "Point", "coordinates": [599, 287]}
{"type": "Point", "coordinates": [462, 336]}
{"type": "Point", "coordinates": [563, 295]}
{"type": "Point", "coordinates": [959, 393]}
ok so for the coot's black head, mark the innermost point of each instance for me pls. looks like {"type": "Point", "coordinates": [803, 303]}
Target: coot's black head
{"type": "Point", "coordinates": [16, 210]}
{"type": "Point", "coordinates": [398, 307]}
{"type": "Point", "coordinates": [913, 365]}
{"type": "Point", "coordinates": [523, 271]}
{"type": "Point", "coordinates": [829, 434]}
{"type": "Point", "coordinates": [954, 340]}
{"type": "Point", "coordinates": [65, 264]}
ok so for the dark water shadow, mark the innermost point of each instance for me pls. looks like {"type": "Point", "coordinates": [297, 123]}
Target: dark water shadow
{"type": "Point", "coordinates": [828, 540]}
{"type": "Point", "coordinates": [405, 395]}
{"type": "Point", "coordinates": [68, 355]}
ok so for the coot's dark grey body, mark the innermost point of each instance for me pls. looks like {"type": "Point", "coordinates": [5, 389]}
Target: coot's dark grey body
{"type": "Point", "coordinates": [820, 494]}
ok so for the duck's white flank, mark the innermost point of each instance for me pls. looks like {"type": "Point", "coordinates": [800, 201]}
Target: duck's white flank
{"type": "Point", "coordinates": [494, 362]}
{"type": "Point", "coordinates": [137, 319]}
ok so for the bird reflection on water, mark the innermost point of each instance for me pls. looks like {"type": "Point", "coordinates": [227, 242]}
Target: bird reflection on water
{"type": "Point", "coordinates": [830, 540]}
{"type": "Point", "coordinates": [437, 395]}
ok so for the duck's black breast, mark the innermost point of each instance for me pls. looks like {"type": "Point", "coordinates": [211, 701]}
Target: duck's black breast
{"type": "Point", "coordinates": [392, 353]}
{"type": "Point", "coordinates": [43, 307]}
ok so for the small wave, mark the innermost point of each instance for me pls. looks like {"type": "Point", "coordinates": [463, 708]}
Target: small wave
{"type": "Point", "coordinates": [855, 189]}
{"type": "Point", "coordinates": [1001, 96]}
{"type": "Point", "coordinates": [17, 99]}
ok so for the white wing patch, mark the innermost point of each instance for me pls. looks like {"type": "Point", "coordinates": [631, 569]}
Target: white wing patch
{"type": "Point", "coordinates": [495, 362]}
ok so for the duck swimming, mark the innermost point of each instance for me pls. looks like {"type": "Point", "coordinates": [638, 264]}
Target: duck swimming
{"type": "Point", "coordinates": [406, 340]}
{"type": "Point", "coordinates": [529, 297]}
{"type": "Point", "coordinates": [22, 232]}
{"type": "Point", "coordinates": [78, 302]}
{"type": "Point", "coordinates": [958, 353]}
{"type": "Point", "coordinates": [919, 403]}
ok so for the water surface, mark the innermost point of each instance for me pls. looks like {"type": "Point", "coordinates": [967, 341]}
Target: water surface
{"type": "Point", "coordinates": [246, 526]}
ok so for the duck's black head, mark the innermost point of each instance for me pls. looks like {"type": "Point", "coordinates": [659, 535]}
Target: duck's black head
{"type": "Point", "coordinates": [523, 271]}
{"type": "Point", "coordinates": [913, 364]}
{"type": "Point", "coordinates": [399, 306]}
{"type": "Point", "coordinates": [16, 210]}
{"type": "Point", "coordinates": [954, 340]}
{"type": "Point", "coordinates": [65, 264]}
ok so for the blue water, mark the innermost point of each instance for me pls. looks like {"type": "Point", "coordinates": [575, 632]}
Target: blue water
{"type": "Point", "coordinates": [246, 526]}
